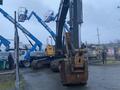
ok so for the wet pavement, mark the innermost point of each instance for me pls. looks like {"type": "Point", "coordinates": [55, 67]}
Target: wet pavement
{"type": "Point", "coordinates": [100, 78]}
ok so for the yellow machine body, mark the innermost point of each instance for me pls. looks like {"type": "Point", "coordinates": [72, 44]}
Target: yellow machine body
{"type": "Point", "coordinates": [50, 50]}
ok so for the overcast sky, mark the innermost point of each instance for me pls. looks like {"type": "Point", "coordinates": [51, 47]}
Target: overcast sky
{"type": "Point", "coordinates": [101, 14]}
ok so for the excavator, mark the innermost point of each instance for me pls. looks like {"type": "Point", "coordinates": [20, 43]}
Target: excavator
{"type": "Point", "coordinates": [73, 68]}
{"type": "Point", "coordinates": [73, 64]}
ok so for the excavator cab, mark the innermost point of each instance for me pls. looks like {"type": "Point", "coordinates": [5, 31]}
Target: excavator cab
{"type": "Point", "coordinates": [22, 14]}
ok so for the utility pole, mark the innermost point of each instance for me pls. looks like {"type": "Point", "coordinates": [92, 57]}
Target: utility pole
{"type": "Point", "coordinates": [98, 36]}
{"type": "Point", "coordinates": [16, 46]}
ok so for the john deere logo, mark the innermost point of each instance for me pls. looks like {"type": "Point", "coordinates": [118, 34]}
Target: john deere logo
{"type": "Point", "coordinates": [1, 2]}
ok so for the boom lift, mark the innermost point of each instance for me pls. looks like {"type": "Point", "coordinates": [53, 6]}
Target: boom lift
{"type": "Point", "coordinates": [50, 51]}
{"type": "Point", "coordinates": [22, 16]}
{"type": "Point", "coordinates": [51, 17]}
{"type": "Point", "coordinates": [22, 19]}
{"type": "Point", "coordinates": [73, 69]}
{"type": "Point", "coordinates": [5, 42]}
{"type": "Point", "coordinates": [37, 42]}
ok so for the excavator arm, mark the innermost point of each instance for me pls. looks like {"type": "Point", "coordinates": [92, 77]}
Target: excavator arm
{"type": "Point", "coordinates": [63, 9]}
{"type": "Point", "coordinates": [73, 68]}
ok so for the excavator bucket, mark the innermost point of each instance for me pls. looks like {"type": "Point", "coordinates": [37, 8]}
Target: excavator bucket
{"type": "Point", "coordinates": [74, 73]}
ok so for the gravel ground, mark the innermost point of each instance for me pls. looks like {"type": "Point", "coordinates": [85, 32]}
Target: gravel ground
{"type": "Point", "coordinates": [100, 78]}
